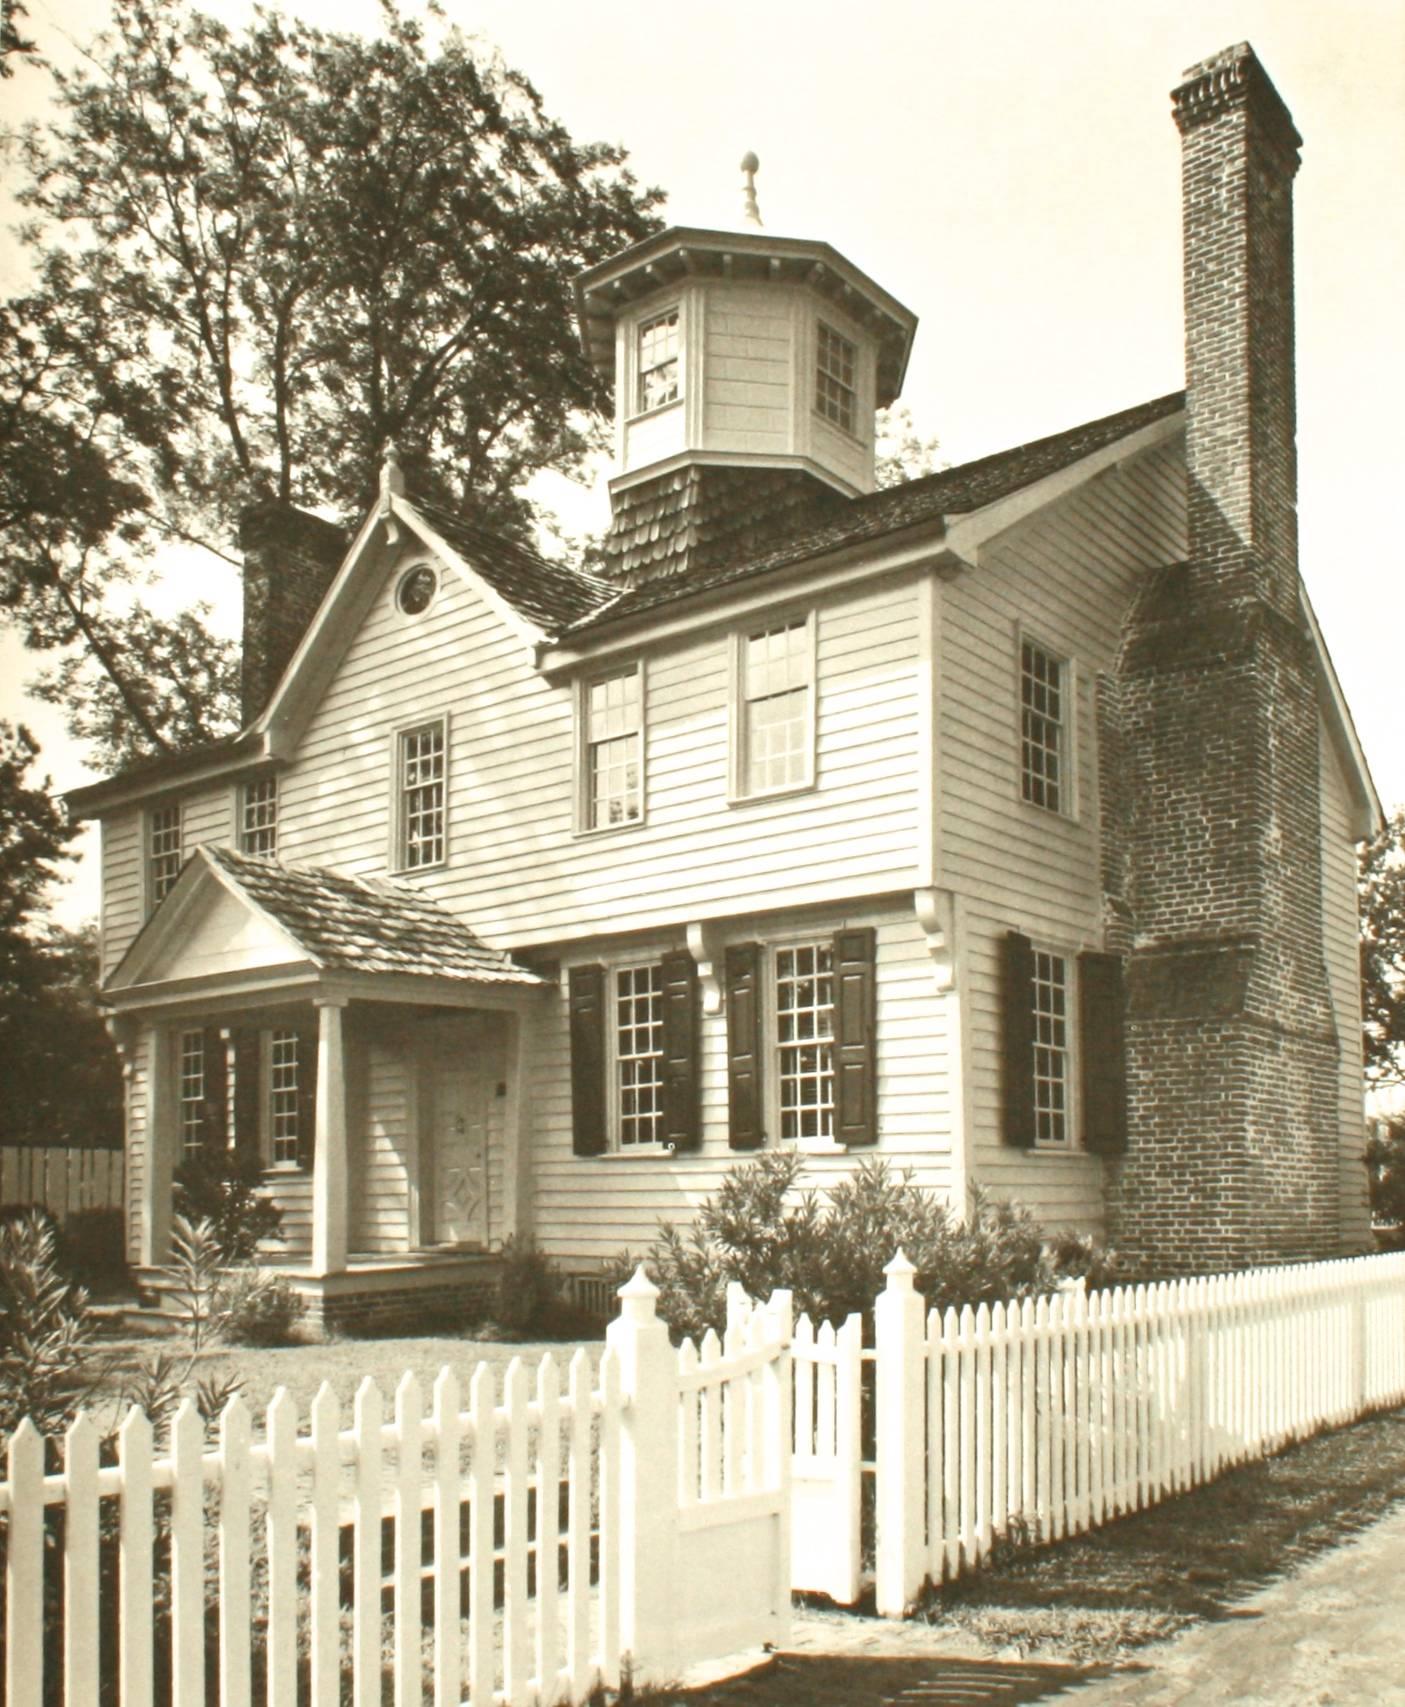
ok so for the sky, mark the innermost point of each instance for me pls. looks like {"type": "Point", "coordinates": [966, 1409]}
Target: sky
{"type": "Point", "coordinates": [1009, 169]}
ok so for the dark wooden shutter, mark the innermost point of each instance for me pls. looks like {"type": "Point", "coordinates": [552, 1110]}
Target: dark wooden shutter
{"type": "Point", "coordinates": [307, 1097]}
{"type": "Point", "coordinates": [587, 1005]}
{"type": "Point", "coordinates": [680, 1051]}
{"type": "Point", "coordinates": [1017, 1019]}
{"type": "Point", "coordinates": [855, 1050]}
{"type": "Point", "coordinates": [248, 1125]}
{"type": "Point", "coordinates": [1102, 1048]}
{"type": "Point", "coordinates": [215, 1111]}
{"type": "Point", "coordinates": [745, 1127]}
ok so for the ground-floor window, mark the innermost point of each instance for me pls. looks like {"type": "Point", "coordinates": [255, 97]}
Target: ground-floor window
{"type": "Point", "coordinates": [638, 1037]}
{"type": "Point", "coordinates": [192, 1092]}
{"type": "Point", "coordinates": [283, 1068]}
{"type": "Point", "coordinates": [805, 1039]}
{"type": "Point", "coordinates": [1050, 1001]}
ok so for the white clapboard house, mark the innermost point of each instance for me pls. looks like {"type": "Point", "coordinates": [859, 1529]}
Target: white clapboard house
{"type": "Point", "coordinates": [1000, 824]}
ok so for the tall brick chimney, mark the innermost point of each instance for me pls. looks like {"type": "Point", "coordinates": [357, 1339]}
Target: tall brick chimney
{"type": "Point", "coordinates": [290, 558]}
{"type": "Point", "coordinates": [1231, 1038]}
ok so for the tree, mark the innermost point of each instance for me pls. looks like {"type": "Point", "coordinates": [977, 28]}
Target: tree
{"type": "Point", "coordinates": [1382, 894]}
{"type": "Point", "coordinates": [57, 1064]}
{"type": "Point", "coordinates": [259, 255]}
{"type": "Point", "coordinates": [901, 451]}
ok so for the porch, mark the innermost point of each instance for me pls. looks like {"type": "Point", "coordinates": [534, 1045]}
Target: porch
{"type": "Point", "coordinates": [362, 1045]}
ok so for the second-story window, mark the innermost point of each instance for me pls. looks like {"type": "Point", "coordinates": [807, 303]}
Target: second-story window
{"type": "Point", "coordinates": [776, 708]}
{"type": "Point", "coordinates": [163, 851]}
{"type": "Point", "coordinates": [614, 792]}
{"type": "Point", "coordinates": [1042, 728]}
{"type": "Point", "coordinates": [258, 817]}
{"type": "Point", "coordinates": [422, 766]}
{"type": "Point", "coordinates": [836, 367]}
{"type": "Point", "coordinates": [658, 360]}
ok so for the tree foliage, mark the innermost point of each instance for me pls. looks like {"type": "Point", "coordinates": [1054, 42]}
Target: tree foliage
{"type": "Point", "coordinates": [57, 1064]}
{"type": "Point", "coordinates": [1382, 897]}
{"type": "Point", "coordinates": [258, 255]}
{"type": "Point", "coordinates": [901, 450]}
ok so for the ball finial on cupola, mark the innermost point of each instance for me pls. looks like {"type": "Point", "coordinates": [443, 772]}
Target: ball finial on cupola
{"type": "Point", "coordinates": [751, 213]}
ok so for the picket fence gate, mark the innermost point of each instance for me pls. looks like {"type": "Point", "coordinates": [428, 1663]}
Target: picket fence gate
{"type": "Point", "coordinates": [538, 1541]}
{"type": "Point", "coordinates": [1047, 1417]}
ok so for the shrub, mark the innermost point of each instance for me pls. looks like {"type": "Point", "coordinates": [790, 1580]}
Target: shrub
{"type": "Point", "coordinates": [529, 1290]}
{"type": "Point", "coordinates": [224, 1187]}
{"type": "Point", "coordinates": [1385, 1173]}
{"type": "Point", "coordinates": [762, 1230]}
{"type": "Point", "coordinates": [257, 1309]}
{"type": "Point", "coordinates": [95, 1248]}
{"type": "Point", "coordinates": [47, 1366]}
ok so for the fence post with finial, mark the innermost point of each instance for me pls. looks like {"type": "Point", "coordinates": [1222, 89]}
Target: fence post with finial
{"type": "Point", "coordinates": [648, 1487]}
{"type": "Point", "coordinates": [899, 1567]}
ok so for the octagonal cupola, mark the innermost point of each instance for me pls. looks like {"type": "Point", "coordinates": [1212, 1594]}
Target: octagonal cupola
{"type": "Point", "coordinates": [747, 371]}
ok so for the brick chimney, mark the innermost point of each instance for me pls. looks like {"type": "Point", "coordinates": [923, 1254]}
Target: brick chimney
{"type": "Point", "coordinates": [290, 557]}
{"type": "Point", "coordinates": [1232, 1050]}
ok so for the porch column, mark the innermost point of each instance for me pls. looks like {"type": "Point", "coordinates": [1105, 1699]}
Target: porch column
{"type": "Point", "coordinates": [157, 1161]}
{"type": "Point", "coordinates": [329, 1141]}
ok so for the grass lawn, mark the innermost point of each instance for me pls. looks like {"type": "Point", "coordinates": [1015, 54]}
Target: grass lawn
{"type": "Point", "coordinates": [346, 1363]}
{"type": "Point", "coordinates": [1148, 1577]}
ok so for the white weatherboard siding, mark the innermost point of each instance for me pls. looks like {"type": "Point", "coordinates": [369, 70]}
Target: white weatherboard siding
{"type": "Point", "coordinates": [1339, 906]}
{"type": "Point", "coordinates": [380, 1150]}
{"type": "Point", "coordinates": [138, 1105]}
{"type": "Point", "coordinates": [748, 366]}
{"type": "Point", "coordinates": [121, 883]}
{"type": "Point", "coordinates": [207, 815]}
{"type": "Point", "coordinates": [1067, 575]}
{"type": "Point", "coordinates": [515, 869]}
{"type": "Point", "coordinates": [586, 1208]}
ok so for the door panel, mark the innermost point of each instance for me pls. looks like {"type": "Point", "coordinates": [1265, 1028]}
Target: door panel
{"type": "Point", "coordinates": [460, 1208]}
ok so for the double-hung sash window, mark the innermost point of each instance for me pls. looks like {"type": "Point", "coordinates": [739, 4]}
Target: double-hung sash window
{"type": "Point", "coordinates": [805, 1040]}
{"type": "Point", "coordinates": [658, 360]}
{"type": "Point", "coordinates": [422, 764]}
{"type": "Point", "coordinates": [163, 851]}
{"type": "Point", "coordinates": [1043, 728]}
{"type": "Point", "coordinates": [258, 817]}
{"type": "Point", "coordinates": [776, 668]}
{"type": "Point", "coordinates": [638, 1048]}
{"type": "Point", "coordinates": [613, 711]}
{"type": "Point", "coordinates": [1049, 998]}
{"type": "Point", "coordinates": [283, 1100]}
{"type": "Point", "coordinates": [836, 367]}
{"type": "Point", "coordinates": [192, 1092]}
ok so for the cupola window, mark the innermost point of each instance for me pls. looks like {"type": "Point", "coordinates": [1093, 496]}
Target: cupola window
{"type": "Point", "coordinates": [658, 360]}
{"type": "Point", "coordinates": [835, 367]}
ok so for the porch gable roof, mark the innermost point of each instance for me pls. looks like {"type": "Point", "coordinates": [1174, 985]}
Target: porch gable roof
{"type": "Point", "coordinates": [330, 921]}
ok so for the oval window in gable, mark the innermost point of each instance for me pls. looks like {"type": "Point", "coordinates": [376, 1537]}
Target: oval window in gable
{"type": "Point", "coordinates": [417, 587]}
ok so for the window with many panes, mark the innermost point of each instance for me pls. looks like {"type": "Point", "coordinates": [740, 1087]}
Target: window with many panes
{"type": "Point", "coordinates": [163, 851]}
{"type": "Point", "coordinates": [192, 1092]}
{"type": "Point", "coordinates": [1051, 1064]}
{"type": "Point", "coordinates": [638, 1038]}
{"type": "Point", "coordinates": [658, 360]}
{"type": "Point", "coordinates": [614, 792]}
{"type": "Point", "coordinates": [776, 741]}
{"type": "Point", "coordinates": [1042, 728]}
{"type": "Point", "coordinates": [422, 778]}
{"type": "Point", "coordinates": [283, 1149]}
{"type": "Point", "coordinates": [805, 1039]}
{"type": "Point", "coordinates": [258, 817]}
{"type": "Point", "coordinates": [836, 364]}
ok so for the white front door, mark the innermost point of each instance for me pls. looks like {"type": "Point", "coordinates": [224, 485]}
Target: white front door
{"type": "Point", "coordinates": [460, 1156]}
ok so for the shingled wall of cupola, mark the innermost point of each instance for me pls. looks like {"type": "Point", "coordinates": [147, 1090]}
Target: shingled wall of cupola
{"type": "Point", "coordinates": [1232, 1045]}
{"type": "Point", "coordinates": [694, 516]}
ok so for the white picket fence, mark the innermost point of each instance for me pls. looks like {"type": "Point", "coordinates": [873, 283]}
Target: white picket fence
{"type": "Point", "coordinates": [672, 1546]}
{"type": "Point", "coordinates": [61, 1178]}
{"type": "Point", "coordinates": [1043, 1418]}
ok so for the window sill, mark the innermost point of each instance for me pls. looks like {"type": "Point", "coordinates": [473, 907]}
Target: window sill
{"type": "Point", "coordinates": [785, 793]}
{"type": "Point", "coordinates": [586, 832]}
{"type": "Point", "coordinates": [417, 870]}
{"type": "Point", "coordinates": [639, 1152]}
{"type": "Point", "coordinates": [815, 1146]}
{"type": "Point", "coordinates": [657, 410]}
{"type": "Point", "coordinates": [281, 1170]}
{"type": "Point", "coordinates": [1057, 813]}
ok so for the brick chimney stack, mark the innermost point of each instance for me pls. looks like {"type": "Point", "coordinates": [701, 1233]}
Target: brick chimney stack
{"type": "Point", "coordinates": [1231, 1039]}
{"type": "Point", "coordinates": [290, 558]}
